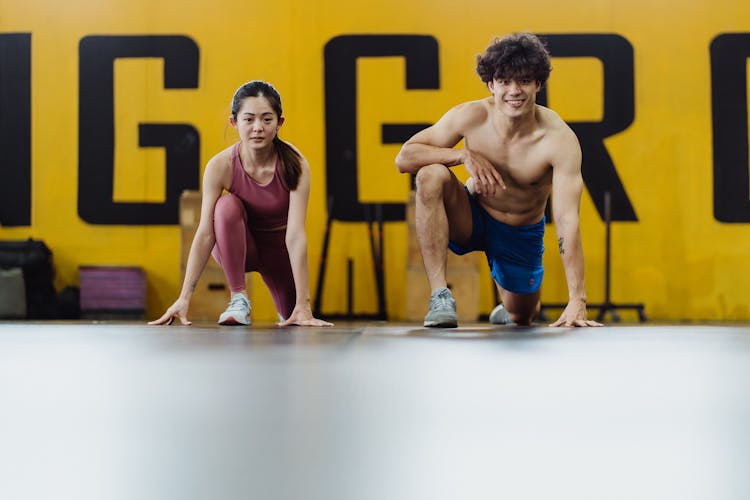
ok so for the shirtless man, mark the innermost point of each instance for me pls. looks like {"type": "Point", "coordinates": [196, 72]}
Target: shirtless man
{"type": "Point", "coordinates": [516, 153]}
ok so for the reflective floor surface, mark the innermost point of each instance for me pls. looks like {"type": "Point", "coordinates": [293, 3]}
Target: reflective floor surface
{"type": "Point", "coordinates": [116, 411]}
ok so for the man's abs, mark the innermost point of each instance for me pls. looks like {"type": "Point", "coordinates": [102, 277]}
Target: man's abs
{"type": "Point", "coordinates": [513, 206]}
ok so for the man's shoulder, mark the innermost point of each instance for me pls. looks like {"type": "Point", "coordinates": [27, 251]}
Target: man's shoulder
{"type": "Point", "coordinates": [553, 125]}
{"type": "Point", "coordinates": [560, 141]}
{"type": "Point", "coordinates": [549, 118]}
{"type": "Point", "coordinates": [477, 107]}
{"type": "Point", "coordinates": [470, 113]}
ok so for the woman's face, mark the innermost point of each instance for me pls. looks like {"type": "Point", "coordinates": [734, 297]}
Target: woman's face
{"type": "Point", "coordinates": [257, 122]}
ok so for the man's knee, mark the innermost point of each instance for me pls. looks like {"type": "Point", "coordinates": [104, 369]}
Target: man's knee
{"type": "Point", "coordinates": [431, 179]}
{"type": "Point", "coordinates": [523, 314]}
{"type": "Point", "coordinates": [522, 318]}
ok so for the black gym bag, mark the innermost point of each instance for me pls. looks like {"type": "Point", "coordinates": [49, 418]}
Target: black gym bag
{"type": "Point", "coordinates": [35, 259]}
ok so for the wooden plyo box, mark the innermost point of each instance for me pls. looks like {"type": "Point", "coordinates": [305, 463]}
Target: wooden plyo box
{"type": "Point", "coordinates": [462, 275]}
{"type": "Point", "coordinates": [211, 295]}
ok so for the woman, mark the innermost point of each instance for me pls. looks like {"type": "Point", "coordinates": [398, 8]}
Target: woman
{"type": "Point", "coordinates": [260, 224]}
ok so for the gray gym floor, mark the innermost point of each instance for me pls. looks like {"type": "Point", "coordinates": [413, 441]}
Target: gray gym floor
{"type": "Point", "coordinates": [361, 411]}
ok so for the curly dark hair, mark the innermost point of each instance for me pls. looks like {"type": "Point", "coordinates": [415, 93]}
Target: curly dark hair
{"type": "Point", "coordinates": [515, 56]}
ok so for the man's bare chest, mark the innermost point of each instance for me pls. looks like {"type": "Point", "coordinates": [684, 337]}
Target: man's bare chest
{"type": "Point", "coordinates": [522, 162]}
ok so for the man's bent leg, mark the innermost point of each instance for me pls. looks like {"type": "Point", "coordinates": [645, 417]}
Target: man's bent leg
{"type": "Point", "coordinates": [442, 211]}
{"type": "Point", "coordinates": [522, 308]}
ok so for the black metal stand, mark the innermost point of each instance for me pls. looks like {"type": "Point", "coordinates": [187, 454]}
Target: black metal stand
{"type": "Point", "coordinates": [607, 306]}
{"type": "Point", "coordinates": [376, 247]}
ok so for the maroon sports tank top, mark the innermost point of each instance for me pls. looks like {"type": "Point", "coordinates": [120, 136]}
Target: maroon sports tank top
{"type": "Point", "coordinates": [267, 205]}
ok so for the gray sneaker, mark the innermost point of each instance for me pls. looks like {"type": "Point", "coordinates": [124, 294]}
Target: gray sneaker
{"type": "Point", "coordinates": [500, 316]}
{"type": "Point", "coordinates": [442, 313]}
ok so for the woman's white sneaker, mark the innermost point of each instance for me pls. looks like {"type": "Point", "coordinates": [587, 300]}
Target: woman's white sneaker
{"type": "Point", "coordinates": [237, 313]}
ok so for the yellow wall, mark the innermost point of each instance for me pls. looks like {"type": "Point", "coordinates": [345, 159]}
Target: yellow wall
{"type": "Point", "coordinates": [677, 259]}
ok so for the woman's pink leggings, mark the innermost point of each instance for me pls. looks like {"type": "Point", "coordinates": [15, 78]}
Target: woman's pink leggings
{"type": "Point", "coordinates": [239, 250]}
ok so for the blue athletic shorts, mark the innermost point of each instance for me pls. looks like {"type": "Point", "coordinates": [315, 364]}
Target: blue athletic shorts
{"type": "Point", "coordinates": [514, 253]}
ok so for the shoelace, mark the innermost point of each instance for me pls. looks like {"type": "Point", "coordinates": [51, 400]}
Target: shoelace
{"type": "Point", "coordinates": [441, 301]}
{"type": "Point", "coordinates": [238, 303]}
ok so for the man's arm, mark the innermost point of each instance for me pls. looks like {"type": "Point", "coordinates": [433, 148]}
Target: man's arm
{"type": "Point", "coordinates": [567, 185]}
{"type": "Point", "coordinates": [435, 145]}
{"type": "Point", "coordinates": [432, 145]}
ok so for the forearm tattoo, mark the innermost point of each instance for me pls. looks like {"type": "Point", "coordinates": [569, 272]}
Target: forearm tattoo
{"type": "Point", "coordinates": [193, 285]}
{"type": "Point", "coordinates": [560, 242]}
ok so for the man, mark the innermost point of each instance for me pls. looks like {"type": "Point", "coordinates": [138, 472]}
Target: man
{"type": "Point", "coordinates": [516, 153]}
